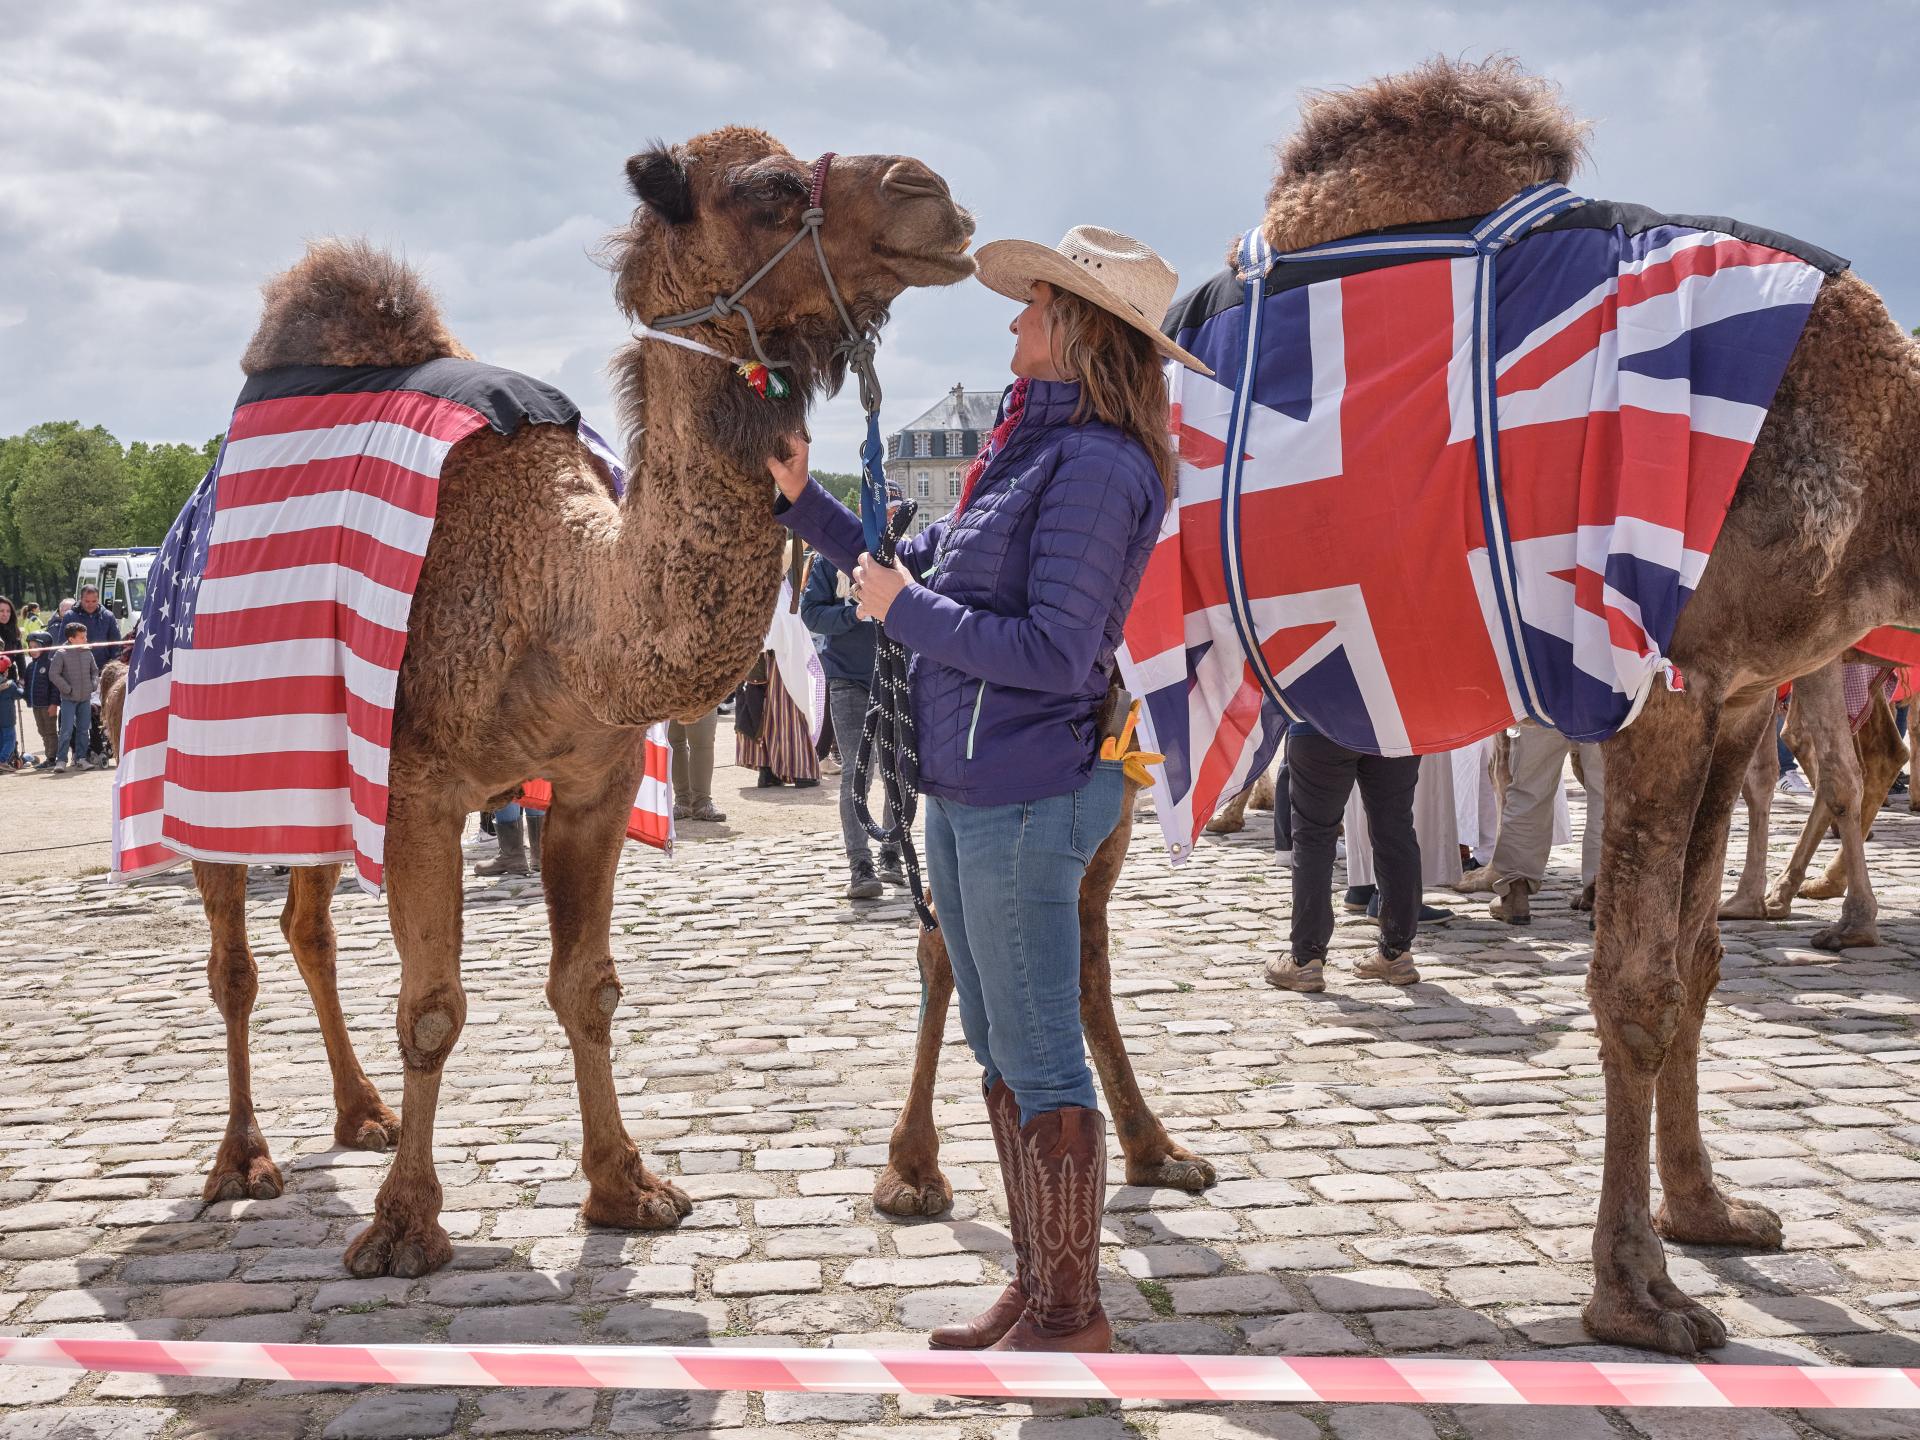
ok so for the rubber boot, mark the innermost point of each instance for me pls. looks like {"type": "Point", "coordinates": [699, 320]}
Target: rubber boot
{"type": "Point", "coordinates": [512, 859]}
{"type": "Point", "coordinates": [1003, 1112]}
{"type": "Point", "coordinates": [536, 823]}
{"type": "Point", "coordinates": [1063, 1167]}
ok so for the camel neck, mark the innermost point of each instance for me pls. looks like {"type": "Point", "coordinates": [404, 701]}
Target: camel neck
{"type": "Point", "coordinates": [699, 551]}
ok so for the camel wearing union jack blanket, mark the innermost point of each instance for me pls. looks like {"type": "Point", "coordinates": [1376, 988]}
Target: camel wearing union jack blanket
{"type": "Point", "coordinates": [1562, 458]}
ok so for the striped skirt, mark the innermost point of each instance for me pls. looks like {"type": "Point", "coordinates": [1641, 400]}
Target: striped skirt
{"type": "Point", "coordinates": [785, 745]}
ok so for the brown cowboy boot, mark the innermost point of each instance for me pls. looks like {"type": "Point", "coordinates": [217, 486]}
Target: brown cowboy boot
{"type": "Point", "coordinates": [1003, 1111]}
{"type": "Point", "coordinates": [1063, 1163]}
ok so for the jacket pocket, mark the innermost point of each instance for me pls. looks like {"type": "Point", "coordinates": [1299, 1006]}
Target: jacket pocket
{"type": "Point", "coordinates": [973, 728]}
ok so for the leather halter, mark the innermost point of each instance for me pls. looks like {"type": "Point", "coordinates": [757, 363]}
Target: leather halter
{"type": "Point", "coordinates": [859, 345]}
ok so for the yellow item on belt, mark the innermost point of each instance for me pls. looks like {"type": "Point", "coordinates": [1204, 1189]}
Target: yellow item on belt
{"type": "Point", "coordinates": [1134, 765]}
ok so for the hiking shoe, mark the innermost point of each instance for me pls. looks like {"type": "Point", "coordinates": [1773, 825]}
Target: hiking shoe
{"type": "Point", "coordinates": [1309, 978]}
{"type": "Point", "coordinates": [864, 884]}
{"type": "Point", "coordinates": [891, 870]}
{"type": "Point", "coordinates": [1477, 881]}
{"type": "Point", "coordinates": [1514, 904]}
{"type": "Point", "coordinates": [706, 810]}
{"type": "Point", "coordinates": [1394, 969]}
{"type": "Point", "coordinates": [681, 812]}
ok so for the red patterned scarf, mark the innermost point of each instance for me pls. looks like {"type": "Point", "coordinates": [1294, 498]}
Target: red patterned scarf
{"type": "Point", "coordinates": [1016, 405]}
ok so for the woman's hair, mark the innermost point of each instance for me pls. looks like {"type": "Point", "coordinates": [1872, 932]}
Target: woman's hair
{"type": "Point", "coordinates": [10, 627]}
{"type": "Point", "coordinates": [1121, 375]}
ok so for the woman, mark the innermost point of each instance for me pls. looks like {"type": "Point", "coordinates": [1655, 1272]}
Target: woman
{"type": "Point", "coordinates": [1013, 607]}
{"type": "Point", "coordinates": [11, 690]}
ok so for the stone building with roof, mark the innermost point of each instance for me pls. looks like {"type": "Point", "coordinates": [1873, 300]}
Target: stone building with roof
{"type": "Point", "coordinates": [928, 456]}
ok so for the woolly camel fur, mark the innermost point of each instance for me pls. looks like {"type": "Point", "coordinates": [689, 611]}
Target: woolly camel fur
{"type": "Point", "coordinates": [1822, 543]}
{"type": "Point", "coordinates": [552, 624]}
{"type": "Point", "coordinates": [912, 1183]}
{"type": "Point", "coordinates": [1851, 774]}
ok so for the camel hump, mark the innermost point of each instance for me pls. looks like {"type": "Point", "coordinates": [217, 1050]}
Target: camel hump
{"type": "Point", "coordinates": [346, 302]}
{"type": "Point", "coordinates": [1448, 140]}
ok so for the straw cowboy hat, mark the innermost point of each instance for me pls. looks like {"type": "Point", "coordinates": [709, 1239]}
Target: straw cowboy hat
{"type": "Point", "coordinates": [1111, 270]}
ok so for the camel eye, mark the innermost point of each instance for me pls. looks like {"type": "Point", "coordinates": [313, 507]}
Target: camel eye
{"type": "Point", "coordinates": [769, 192]}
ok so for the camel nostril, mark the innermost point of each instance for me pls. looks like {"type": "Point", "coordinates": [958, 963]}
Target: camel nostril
{"type": "Point", "coordinates": [909, 179]}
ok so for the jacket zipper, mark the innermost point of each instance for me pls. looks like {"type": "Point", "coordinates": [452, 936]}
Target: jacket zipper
{"type": "Point", "coordinates": [979, 697]}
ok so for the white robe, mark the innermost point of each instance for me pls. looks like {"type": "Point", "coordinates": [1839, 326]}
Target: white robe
{"type": "Point", "coordinates": [1434, 824]}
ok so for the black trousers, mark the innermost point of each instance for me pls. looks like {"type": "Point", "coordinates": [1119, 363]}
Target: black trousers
{"type": "Point", "coordinates": [1322, 776]}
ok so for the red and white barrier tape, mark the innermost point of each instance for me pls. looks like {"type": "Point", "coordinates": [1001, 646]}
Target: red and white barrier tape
{"type": "Point", "coordinates": [1000, 1375]}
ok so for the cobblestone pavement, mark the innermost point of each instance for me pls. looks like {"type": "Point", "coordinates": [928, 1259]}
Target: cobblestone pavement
{"type": "Point", "coordinates": [1402, 1172]}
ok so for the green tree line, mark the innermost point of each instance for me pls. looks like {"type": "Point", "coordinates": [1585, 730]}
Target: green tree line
{"type": "Point", "coordinates": [66, 489]}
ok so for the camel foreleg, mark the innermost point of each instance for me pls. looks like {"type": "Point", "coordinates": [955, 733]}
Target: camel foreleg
{"type": "Point", "coordinates": [362, 1120]}
{"type": "Point", "coordinates": [1880, 753]}
{"type": "Point", "coordinates": [585, 829]}
{"type": "Point", "coordinates": [912, 1183]}
{"type": "Point", "coordinates": [1749, 898]}
{"type": "Point", "coordinates": [1152, 1156]}
{"type": "Point", "coordinates": [405, 1237]}
{"type": "Point", "coordinates": [1694, 1209]}
{"type": "Point", "coordinates": [1818, 734]}
{"type": "Point", "coordinates": [1656, 775]}
{"type": "Point", "coordinates": [242, 1168]}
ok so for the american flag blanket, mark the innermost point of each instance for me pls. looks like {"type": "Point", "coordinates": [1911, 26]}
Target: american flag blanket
{"type": "Point", "coordinates": [1448, 478]}
{"type": "Point", "coordinates": [259, 707]}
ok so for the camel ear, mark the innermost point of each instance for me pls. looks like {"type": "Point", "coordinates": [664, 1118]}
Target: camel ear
{"type": "Point", "coordinates": [659, 179]}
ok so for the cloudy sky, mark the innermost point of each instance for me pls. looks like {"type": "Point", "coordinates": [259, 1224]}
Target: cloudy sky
{"type": "Point", "coordinates": [157, 161]}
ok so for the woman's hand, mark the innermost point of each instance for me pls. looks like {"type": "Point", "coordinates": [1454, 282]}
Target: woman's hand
{"type": "Point", "coordinates": [791, 473]}
{"type": "Point", "coordinates": [875, 587]}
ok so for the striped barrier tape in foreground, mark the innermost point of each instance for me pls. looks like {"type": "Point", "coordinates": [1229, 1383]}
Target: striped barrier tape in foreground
{"type": "Point", "coordinates": [1001, 1375]}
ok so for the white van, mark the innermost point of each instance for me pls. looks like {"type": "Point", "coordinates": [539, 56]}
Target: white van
{"type": "Point", "coordinates": [121, 575]}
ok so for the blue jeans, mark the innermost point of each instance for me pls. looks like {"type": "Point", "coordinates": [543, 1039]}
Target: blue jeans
{"type": "Point", "coordinates": [76, 725]}
{"type": "Point", "coordinates": [507, 813]}
{"type": "Point", "coordinates": [9, 726]}
{"type": "Point", "coordinates": [1006, 883]}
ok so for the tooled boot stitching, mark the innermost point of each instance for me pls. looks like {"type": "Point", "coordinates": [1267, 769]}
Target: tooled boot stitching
{"type": "Point", "coordinates": [1065, 1195]}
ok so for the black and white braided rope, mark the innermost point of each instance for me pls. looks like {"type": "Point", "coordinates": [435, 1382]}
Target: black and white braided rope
{"type": "Point", "coordinates": [889, 733]}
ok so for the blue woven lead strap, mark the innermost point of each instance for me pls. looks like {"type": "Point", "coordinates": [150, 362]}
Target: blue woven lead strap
{"type": "Point", "coordinates": [873, 493]}
{"type": "Point", "coordinates": [1253, 258]}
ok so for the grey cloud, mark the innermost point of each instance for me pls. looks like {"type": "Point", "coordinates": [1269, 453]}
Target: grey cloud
{"type": "Point", "coordinates": [161, 160]}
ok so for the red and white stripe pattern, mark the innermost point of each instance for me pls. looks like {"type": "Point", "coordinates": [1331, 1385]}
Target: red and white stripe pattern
{"type": "Point", "coordinates": [651, 822]}
{"type": "Point", "coordinates": [1000, 1375]}
{"type": "Point", "coordinates": [259, 711]}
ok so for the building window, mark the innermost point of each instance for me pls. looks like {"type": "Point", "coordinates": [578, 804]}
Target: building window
{"type": "Point", "coordinates": [922, 444]}
{"type": "Point", "coordinates": [923, 483]}
{"type": "Point", "coordinates": [893, 446]}
{"type": "Point", "coordinates": [953, 484]}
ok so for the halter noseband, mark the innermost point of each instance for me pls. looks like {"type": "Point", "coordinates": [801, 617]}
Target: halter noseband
{"type": "Point", "coordinates": [859, 345]}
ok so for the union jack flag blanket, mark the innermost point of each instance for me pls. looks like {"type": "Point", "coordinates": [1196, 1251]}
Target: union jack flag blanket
{"type": "Point", "coordinates": [259, 708]}
{"type": "Point", "coordinates": [1447, 477]}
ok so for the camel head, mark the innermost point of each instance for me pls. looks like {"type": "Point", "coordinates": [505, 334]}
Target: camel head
{"type": "Point", "coordinates": [347, 303]}
{"type": "Point", "coordinates": [714, 209]}
{"type": "Point", "coordinates": [1449, 140]}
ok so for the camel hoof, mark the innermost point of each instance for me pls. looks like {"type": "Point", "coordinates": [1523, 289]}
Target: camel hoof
{"type": "Point", "coordinates": [1743, 907]}
{"type": "Point", "coordinates": [1720, 1220]}
{"type": "Point", "coordinates": [1664, 1320]}
{"type": "Point", "coordinates": [1824, 889]}
{"type": "Point", "coordinates": [1178, 1169]}
{"type": "Point", "coordinates": [652, 1204]}
{"type": "Point", "coordinates": [894, 1194]}
{"type": "Point", "coordinates": [1835, 938]}
{"type": "Point", "coordinates": [255, 1177]}
{"type": "Point", "coordinates": [377, 1131]}
{"type": "Point", "coordinates": [1221, 825]}
{"type": "Point", "coordinates": [406, 1250]}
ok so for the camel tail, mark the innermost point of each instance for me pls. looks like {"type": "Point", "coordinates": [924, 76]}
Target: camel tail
{"type": "Point", "coordinates": [346, 302]}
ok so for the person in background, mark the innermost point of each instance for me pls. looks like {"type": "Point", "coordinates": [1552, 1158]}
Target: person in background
{"type": "Point", "coordinates": [42, 699]}
{"type": "Point", "coordinates": [1538, 758]}
{"type": "Point", "coordinates": [10, 693]}
{"type": "Point", "coordinates": [516, 831]}
{"type": "Point", "coordinates": [1321, 773]}
{"type": "Point", "coordinates": [846, 654]}
{"type": "Point", "coordinates": [102, 631]}
{"type": "Point", "coordinates": [60, 615]}
{"type": "Point", "coordinates": [76, 674]}
{"type": "Point", "coordinates": [1012, 607]}
{"type": "Point", "coordinates": [692, 745]}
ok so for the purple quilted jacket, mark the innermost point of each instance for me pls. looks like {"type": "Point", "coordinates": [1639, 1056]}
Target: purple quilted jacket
{"type": "Point", "coordinates": [1021, 601]}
